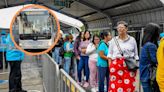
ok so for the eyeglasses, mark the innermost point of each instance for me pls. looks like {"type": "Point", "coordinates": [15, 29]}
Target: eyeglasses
{"type": "Point", "coordinates": [96, 39]}
{"type": "Point", "coordinates": [120, 27]}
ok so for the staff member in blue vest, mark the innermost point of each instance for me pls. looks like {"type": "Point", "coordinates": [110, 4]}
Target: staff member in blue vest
{"type": "Point", "coordinates": [3, 49]}
{"type": "Point", "coordinates": [14, 57]}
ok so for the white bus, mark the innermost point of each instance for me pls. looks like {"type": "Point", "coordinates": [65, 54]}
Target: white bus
{"type": "Point", "coordinates": [36, 29]}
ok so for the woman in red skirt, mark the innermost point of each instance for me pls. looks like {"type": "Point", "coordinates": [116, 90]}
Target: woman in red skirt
{"type": "Point", "coordinates": [121, 79]}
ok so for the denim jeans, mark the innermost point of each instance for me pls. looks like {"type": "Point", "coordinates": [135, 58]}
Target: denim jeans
{"type": "Point", "coordinates": [103, 72]}
{"type": "Point", "coordinates": [83, 63]}
{"type": "Point", "coordinates": [146, 86]}
{"type": "Point", "coordinates": [67, 64]}
{"type": "Point", "coordinates": [56, 57]}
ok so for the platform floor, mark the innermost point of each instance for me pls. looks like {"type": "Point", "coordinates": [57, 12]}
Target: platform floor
{"type": "Point", "coordinates": [31, 76]}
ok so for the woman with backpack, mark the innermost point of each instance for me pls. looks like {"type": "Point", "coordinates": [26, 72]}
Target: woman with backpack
{"type": "Point", "coordinates": [68, 52]}
{"type": "Point", "coordinates": [148, 58]}
{"type": "Point", "coordinates": [55, 51]}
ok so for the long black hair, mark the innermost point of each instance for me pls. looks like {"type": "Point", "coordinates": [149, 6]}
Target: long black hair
{"type": "Point", "coordinates": [79, 36]}
{"type": "Point", "coordinates": [89, 35]}
{"type": "Point", "coordinates": [151, 33]}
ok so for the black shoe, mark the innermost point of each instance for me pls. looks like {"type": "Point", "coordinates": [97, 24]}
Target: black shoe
{"type": "Point", "coordinates": [22, 90]}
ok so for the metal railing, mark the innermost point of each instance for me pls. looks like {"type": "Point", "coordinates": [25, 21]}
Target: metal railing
{"type": "Point", "coordinates": [55, 80]}
{"type": "Point", "coordinates": [67, 84]}
{"type": "Point", "coordinates": [50, 74]}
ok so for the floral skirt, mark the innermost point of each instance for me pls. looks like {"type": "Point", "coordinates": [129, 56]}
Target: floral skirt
{"type": "Point", "coordinates": [121, 79]}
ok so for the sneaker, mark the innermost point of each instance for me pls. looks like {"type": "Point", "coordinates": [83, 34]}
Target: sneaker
{"type": "Point", "coordinates": [93, 90]}
{"type": "Point", "coordinates": [22, 90]}
{"type": "Point", "coordinates": [86, 84]}
{"type": "Point", "coordinates": [80, 83]}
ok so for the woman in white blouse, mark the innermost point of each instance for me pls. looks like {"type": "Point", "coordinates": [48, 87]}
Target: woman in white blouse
{"type": "Point", "coordinates": [121, 79]}
{"type": "Point", "coordinates": [91, 51]}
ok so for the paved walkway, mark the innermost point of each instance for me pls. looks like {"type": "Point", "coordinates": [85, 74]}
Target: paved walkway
{"type": "Point", "coordinates": [31, 76]}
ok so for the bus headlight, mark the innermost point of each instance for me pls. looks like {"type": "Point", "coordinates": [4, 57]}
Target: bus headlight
{"type": "Point", "coordinates": [49, 43]}
{"type": "Point", "coordinates": [20, 44]}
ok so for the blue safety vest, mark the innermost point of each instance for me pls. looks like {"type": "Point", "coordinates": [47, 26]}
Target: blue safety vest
{"type": "Point", "coordinates": [12, 53]}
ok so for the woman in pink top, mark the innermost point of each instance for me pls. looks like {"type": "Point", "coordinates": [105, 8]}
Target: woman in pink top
{"type": "Point", "coordinates": [84, 58]}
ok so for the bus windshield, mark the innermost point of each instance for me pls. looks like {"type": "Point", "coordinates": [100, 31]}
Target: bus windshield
{"type": "Point", "coordinates": [35, 24]}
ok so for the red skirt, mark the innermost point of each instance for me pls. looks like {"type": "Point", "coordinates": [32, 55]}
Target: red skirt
{"type": "Point", "coordinates": [121, 79]}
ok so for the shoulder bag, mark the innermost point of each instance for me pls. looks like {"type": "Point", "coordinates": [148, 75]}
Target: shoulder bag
{"type": "Point", "coordinates": [131, 63]}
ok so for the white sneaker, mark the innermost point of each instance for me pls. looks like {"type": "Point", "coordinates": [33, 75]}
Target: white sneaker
{"type": "Point", "coordinates": [86, 84]}
{"type": "Point", "coordinates": [95, 89]}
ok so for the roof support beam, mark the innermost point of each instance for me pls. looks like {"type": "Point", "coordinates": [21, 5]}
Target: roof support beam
{"type": "Point", "coordinates": [119, 5]}
{"type": "Point", "coordinates": [88, 14]}
{"type": "Point", "coordinates": [95, 8]}
{"type": "Point", "coordinates": [96, 19]}
{"type": "Point", "coordinates": [140, 12]}
{"type": "Point", "coordinates": [111, 7]}
{"type": "Point", "coordinates": [70, 15]}
{"type": "Point", "coordinates": [6, 3]}
{"type": "Point", "coordinates": [59, 10]}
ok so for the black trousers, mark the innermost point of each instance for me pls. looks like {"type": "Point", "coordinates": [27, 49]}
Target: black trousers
{"type": "Point", "coordinates": [15, 76]}
{"type": "Point", "coordinates": [1, 60]}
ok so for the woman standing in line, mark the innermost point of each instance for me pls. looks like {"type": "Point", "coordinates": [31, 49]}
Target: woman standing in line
{"type": "Point", "coordinates": [68, 53]}
{"type": "Point", "coordinates": [122, 79]}
{"type": "Point", "coordinates": [84, 59]}
{"type": "Point", "coordinates": [77, 52]}
{"type": "Point", "coordinates": [148, 55]}
{"type": "Point", "coordinates": [92, 52]}
{"type": "Point", "coordinates": [103, 70]}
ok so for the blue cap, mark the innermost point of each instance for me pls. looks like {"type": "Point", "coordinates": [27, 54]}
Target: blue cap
{"type": "Point", "coordinates": [162, 35]}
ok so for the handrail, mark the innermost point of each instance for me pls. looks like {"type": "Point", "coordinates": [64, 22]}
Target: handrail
{"type": "Point", "coordinates": [55, 80]}
{"type": "Point", "coordinates": [77, 86]}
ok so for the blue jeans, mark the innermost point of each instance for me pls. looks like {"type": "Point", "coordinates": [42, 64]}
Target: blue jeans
{"type": "Point", "coordinates": [67, 64]}
{"type": "Point", "coordinates": [56, 57]}
{"type": "Point", "coordinates": [146, 86]}
{"type": "Point", "coordinates": [83, 63]}
{"type": "Point", "coordinates": [103, 72]}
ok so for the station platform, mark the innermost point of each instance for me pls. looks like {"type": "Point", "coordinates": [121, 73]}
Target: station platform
{"type": "Point", "coordinates": [31, 76]}
{"type": "Point", "coordinates": [37, 76]}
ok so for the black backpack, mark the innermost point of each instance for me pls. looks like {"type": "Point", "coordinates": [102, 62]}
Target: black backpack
{"type": "Point", "coordinates": [61, 51]}
{"type": "Point", "coordinates": [152, 69]}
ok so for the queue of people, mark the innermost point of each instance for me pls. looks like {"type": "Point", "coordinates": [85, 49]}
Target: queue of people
{"type": "Point", "coordinates": [102, 60]}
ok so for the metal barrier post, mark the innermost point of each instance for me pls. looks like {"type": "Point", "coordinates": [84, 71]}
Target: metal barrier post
{"type": "Point", "coordinates": [55, 80]}
{"type": "Point", "coordinates": [50, 74]}
{"type": "Point", "coordinates": [70, 84]}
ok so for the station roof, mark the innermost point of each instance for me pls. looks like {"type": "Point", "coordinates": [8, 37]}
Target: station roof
{"type": "Point", "coordinates": [8, 13]}
{"type": "Point", "coordinates": [92, 10]}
